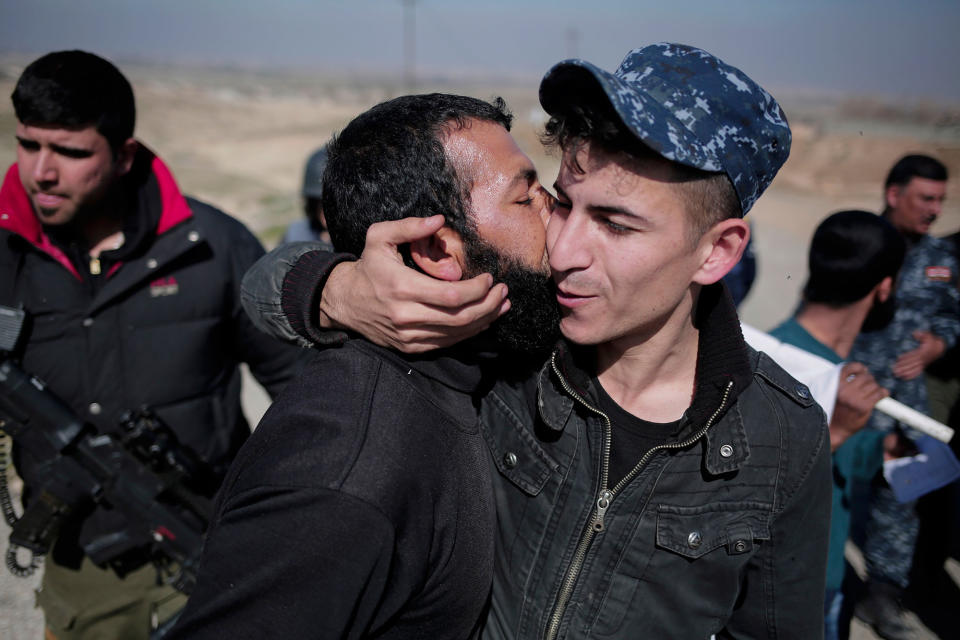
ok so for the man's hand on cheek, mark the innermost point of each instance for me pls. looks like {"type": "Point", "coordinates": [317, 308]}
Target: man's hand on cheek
{"type": "Point", "coordinates": [395, 306]}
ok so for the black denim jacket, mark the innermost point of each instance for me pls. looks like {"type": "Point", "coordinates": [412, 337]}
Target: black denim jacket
{"type": "Point", "coordinates": [723, 531]}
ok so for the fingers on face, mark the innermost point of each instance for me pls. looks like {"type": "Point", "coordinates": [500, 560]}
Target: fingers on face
{"type": "Point", "coordinates": [402, 231]}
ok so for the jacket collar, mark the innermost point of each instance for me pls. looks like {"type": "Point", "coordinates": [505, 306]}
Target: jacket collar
{"type": "Point", "coordinates": [454, 378]}
{"type": "Point", "coordinates": [723, 360]}
{"type": "Point", "coordinates": [460, 368]}
{"type": "Point", "coordinates": [160, 206]}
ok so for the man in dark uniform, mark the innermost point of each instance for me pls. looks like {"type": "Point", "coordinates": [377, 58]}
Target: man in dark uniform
{"type": "Point", "coordinates": [924, 321]}
{"type": "Point", "coordinates": [134, 295]}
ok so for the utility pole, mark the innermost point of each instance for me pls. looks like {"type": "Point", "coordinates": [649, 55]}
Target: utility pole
{"type": "Point", "coordinates": [409, 45]}
{"type": "Point", "coordinates": [573, 42]}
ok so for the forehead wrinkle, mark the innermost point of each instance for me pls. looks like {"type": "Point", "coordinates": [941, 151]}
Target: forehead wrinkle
{"type": "Point", "coordinates": [621, 189]}
{"type": "Point", "coordinates": [485, 170]}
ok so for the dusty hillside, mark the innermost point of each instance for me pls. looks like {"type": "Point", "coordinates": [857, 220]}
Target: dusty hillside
{"type": "Point", "coordinates": [239, 140]}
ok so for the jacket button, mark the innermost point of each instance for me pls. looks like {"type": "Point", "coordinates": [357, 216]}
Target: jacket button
{"type": "Point", "coordinates": [193, 236]}
{"type": "Point", "coordinates": [694, 540]}
{"type": "Point", "coordinates": [95, 408]}
{"type": "Point", "coordinates": [726, 451]}
{"type": "Point", "coordinates": [802, 391]}
{"type": "Point", "coordinates": [88, 322]}
{"type": "Point", "coordinates": [151, 263]}
{"type": "Point", "coordinates": [740, 546]}
{"type": "Point", "coordinates": [510, 460]}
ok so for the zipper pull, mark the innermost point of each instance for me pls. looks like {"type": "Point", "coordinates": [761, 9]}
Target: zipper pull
{"type": "Point", "coordinates": [603, 503]}
{"type": "Point", "coordinates": [94, 266]}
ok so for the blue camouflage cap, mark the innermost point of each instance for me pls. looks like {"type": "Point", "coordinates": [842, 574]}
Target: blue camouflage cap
{"type": "Point", "coordinates": [691, 108]}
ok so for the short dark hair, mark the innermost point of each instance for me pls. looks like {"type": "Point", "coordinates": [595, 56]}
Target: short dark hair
{"type": "Point", "coordinates": [915, 166]}
{"type": "Point", "coordinates": [76, 89]}
{"type": "Point", "coordinates": [389, 163]}
{"type": "Point", "coordinates": [708, 197]}
{"type": "Point", "coordinates": [851, 252]}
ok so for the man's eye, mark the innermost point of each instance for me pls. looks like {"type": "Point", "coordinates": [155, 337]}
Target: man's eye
{"type": "Point", "coordinates": [616, 229]}
{"type": "Point", "coordinates": [525, 202]}
{"type": "Point", "coordinates": [74, 153]}
{"type": "Point", "coordinates": [28, 145]}
{"type": "Point", "coordinates": [560, 204]}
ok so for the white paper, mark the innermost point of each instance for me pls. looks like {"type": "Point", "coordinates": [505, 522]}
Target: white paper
{"type": "Point", "coordinates": [823, 379]}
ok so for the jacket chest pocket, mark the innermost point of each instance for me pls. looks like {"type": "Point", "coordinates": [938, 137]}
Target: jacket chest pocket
{"type": "Point", "coordinates": [705, 550]}
{"type": "Point", "coordinates": [528, 480]}
{"type": "Point", "coordinates": [518, 456]}
{"type": "Point", "coordinates": [693, 555]}
{"type": "Point", "coordinates": [692, 532]}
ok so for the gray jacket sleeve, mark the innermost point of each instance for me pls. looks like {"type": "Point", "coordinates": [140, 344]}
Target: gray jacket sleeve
{"type": "Point", "coordinates": [281, 290]}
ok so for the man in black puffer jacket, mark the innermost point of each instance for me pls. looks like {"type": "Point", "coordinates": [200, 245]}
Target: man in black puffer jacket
{"type": "Point", "coordinates": [133, 291]}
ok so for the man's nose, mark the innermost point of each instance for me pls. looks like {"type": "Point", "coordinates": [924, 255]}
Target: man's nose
{"type": "Point", "coordinates": [566, 241]}
{"type": "Point", "coordinates": [45, 169]}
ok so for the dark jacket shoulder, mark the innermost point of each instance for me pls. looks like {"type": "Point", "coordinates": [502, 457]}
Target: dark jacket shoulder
{"type": "Point", "coordinates": [802, 437]}
{"type": "Point", "coordinates": [349, 411]}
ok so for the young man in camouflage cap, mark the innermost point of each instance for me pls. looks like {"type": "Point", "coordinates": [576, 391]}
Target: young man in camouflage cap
{"type": "Point", "coordinates": [656, 478]}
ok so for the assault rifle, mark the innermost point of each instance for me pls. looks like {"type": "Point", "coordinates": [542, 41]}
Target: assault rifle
{"type": "Point", "coordinates": [157, 486]}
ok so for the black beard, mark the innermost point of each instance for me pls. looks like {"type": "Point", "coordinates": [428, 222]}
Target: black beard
{"type": "Point", "coordinates": [880, 315]}
{"type": "Point", "coordinates": [532, 325]}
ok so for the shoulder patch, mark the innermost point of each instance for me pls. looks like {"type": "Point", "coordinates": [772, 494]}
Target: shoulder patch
{"type": "Point", "coordinates": [938, 273]}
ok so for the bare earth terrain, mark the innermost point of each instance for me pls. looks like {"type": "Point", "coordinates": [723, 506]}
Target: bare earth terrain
{"type": "Point", "coordinates": [239, 140]}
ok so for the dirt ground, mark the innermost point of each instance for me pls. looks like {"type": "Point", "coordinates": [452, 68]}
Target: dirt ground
{"type": "Point", "coordinates": [239, 140]}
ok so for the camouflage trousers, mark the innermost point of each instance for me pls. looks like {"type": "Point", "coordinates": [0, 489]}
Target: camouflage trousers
{"type": "Point", "coordinates": [891, 536]}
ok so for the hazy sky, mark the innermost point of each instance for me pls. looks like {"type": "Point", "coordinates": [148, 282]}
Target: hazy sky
{"type": "Point", "coordinates": [901, 48]}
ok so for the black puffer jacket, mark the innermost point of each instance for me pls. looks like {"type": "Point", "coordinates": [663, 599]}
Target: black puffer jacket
{"type": "Point", "coordinates": [164, 328]}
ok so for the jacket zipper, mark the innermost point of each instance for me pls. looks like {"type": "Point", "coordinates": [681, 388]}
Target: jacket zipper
{"type": "Point", "coordinates": [606, 496]}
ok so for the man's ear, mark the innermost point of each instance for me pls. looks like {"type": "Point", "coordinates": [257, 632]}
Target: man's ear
{"type": "Point", "coordinates": [884, 289]}
{"type": "Point", "coordinates": [721, 248]}
{"type": "Point", "coordinates": [440, 254]}
{"type": "Point", "coordinates": [892, 196]}
{"type": "Point", "coordinates": [125, 155]}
